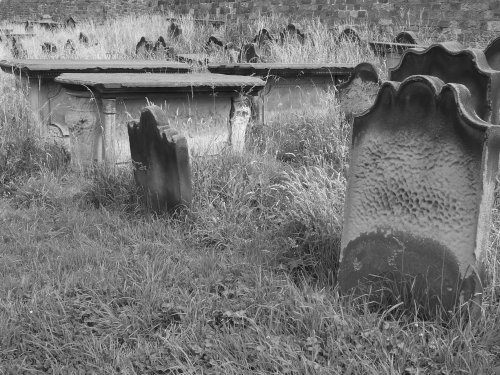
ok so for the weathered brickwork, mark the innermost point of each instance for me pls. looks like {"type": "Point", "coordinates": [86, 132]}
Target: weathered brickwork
{"type": "Point", "coordinates": [61, 9]}
{"type": "Point", "coordinates": [460, 16]}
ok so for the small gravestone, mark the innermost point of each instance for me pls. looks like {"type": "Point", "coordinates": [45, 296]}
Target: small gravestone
{"type": "Point", "coordinates": [83, 39]}
{"type": "Point", "coordinates": [17, 50]}
{"type": "Point", "coordinates": [214, 41]}
{"type": "Point", "coordinates": [349, 35]}
{"type": "Point", "coordinates": [420, 192]}
{"type": "Point", "coordinates": [162, 49]}
{"type": "Point", "coordinates": [174, 31]}
{"type": "Point", "coordinates": [69, 47]}
{"type": "Point", "coordinates": [49, 48]}
{"type": "Point", "coordinates": [453, 64]}
{"type": "Point", "coordinates": [358, 93]}
{"type": "Point", "coordinates": [71, 22]}
{"type": "Point", "coordinates": [161, 161]}
{"type": "Point", "coordinates": [248, 53]}
{"type": "Point", "coordinates": [492, 53]}
{"type": "Point", "coordinates": [263, 37]}
{"type": "Point", "coordinates": [406, 37]}
{"type": "Point", "coordinates": [144, 46]}
{"type": "Point", "coordinates": [291, 32]}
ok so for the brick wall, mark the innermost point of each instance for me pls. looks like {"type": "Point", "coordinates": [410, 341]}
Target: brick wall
{"type": "Point", "coordinates": [462, 16]}
{"type": "Point", "coordinates": [22, 10]}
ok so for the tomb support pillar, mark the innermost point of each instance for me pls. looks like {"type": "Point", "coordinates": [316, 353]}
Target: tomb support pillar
{"type": "Point", "coordinates": [238, 118]}
{"type": "Point", "coordinates": [108, 131]}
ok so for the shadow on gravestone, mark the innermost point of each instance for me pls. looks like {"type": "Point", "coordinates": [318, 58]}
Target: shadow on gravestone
{"type": "Point", "coordinates": [420, 193]}
{"type": "Point", "coordinates": [492, 52]}
{"type": "Point", "coordinates": [453, 64]}
{"type": "Point", "coordinates": [161, 161]}
{"type": "Point", "coordinates": [358, 93]}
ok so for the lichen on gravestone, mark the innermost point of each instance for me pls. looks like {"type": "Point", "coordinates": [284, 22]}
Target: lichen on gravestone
{"type": "Point", "coordinates": [419, 198]}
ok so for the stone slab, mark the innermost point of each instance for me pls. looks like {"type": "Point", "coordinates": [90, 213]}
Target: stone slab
{"type": "Point", "coordinates": [419, 198]}
{"type": "Point", "coordinates": [53, 68]}
{"type": "Point", "coordinates": [140, 82]}
{"type": "Point", "coordinates": [283, 70]}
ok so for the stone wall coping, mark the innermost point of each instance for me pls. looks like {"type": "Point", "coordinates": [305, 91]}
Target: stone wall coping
{"type": "Point", "coordinates": [282, 69]}
{"type": "Point", "coordinates": [53, 68]}
{"type": "Point", "coordinates": [108, 83]}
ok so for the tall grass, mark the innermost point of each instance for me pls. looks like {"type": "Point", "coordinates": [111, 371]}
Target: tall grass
{"type": "Point", "coordinates": [91, 283]}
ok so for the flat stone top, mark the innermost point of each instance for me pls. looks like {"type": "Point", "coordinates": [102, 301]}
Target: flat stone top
{"type": "Point", "coordinates": [144, 82]}
{"type": "Point", "coordinates": [53, 68]}
{"type": "Point", "coordinates": [282, 69]}
{"type": "Point", "coordinates": [408, 45]}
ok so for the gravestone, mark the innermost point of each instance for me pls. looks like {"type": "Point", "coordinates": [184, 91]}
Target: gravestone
{"type": "Point", "coordinates": [69, 47]}
{"type": "Point", "coordinates": [453, 64]}
{"type": "Point", "coordinates": [291, 32]}
{"type": "Point", "coordinates": [213, 40]}
{"type": "Point", "coordinates": [358, 93]}
{"type": "Point", "coordinates": [420, 192]}
{"type": "Point", "coordinates": [349, 35]}
{"type": "Point", "coordinates": [17, 49]}
{"type": "Point", "coordinates": [406, 37]}
{"type": "Point", "coordinates": [144, 47]}
{"type": "Point", "coordinates": [162, 49]}
{"type": "Point", "coordinates": [492, 53]}
{"type": "Point", "coordinates": [83, 39]}
{"type": "Point", "coordinates": [49, 48]}
{"type": "Point", "coordinates": [174, 31]}
{"type": "Point", "coordinates": [263, 37]}
{"type": "Point", "coordinates": [161, 161]}
{"type": "Point", "coordinates": [71, 22]}
{"type": "Point", "coordinates": [248, 54]}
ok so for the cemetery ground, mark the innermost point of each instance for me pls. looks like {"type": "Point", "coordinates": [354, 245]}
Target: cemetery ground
{"type": "Point", "coordinates": [90, 282]}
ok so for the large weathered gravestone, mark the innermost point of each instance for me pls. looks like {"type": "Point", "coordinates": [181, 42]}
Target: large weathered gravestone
{"type": "Point", "coordinates": [161, 161]}
{"type": "Point", "coordinates": [453, 64]}
{"type": "Point", "coordinates": [420, 191]}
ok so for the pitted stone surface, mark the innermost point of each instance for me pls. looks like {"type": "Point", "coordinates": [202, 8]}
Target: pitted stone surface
{"type": "Point", "coordinates": [419, 194]}
{"type": "Point", "coordinates": [453, 64]}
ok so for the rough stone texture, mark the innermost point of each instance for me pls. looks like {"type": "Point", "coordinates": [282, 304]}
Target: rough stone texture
{"type": "Point", "coordinates": [420, 191]}
{"type": "Point", "coordinates": [161, 161]}
{"type": "Point", "coordinates": [451, 63]}
{"type": "Point", "coordinates": [462, 17]}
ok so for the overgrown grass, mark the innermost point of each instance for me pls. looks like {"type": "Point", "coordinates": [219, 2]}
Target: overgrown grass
{"type": "Point", "coordinates": [92, 283]}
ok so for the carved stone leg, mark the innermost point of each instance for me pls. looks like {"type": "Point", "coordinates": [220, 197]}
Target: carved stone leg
{"type": "Point", "coordinates": [109, 125]}
{"type": "Point", "coordinates": [239, 117]}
